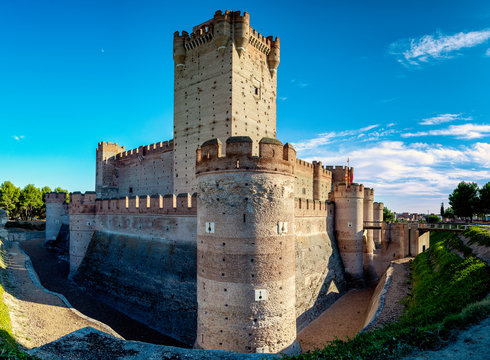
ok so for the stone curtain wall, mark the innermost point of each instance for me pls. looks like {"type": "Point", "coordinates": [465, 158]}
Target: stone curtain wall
{"type": "Point", "coordinates": [151, 279]}
{"type": "Point", "coordinates": [319, 270]}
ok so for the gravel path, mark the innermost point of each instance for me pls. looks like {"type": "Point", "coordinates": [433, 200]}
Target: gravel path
{"type": "Point", "coordinates": [397, 290]}
{"type": "Point", "coordinates": [471, 344]}
{"type": "Point", "coordinates": [345, 318]}
{"type": "Point", "coordinates": [37, 316]}
{"type": "Point", "coordinates": [53, 275]}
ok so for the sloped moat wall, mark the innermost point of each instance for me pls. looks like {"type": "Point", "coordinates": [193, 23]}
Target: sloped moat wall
{"type": "Point", "coordinates": [151, 280]}
{"type": "Point", "coordinates": [319, 270]}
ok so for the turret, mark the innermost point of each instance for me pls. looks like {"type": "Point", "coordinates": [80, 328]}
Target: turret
{"type": "Point", "coordinates": [56, 211]}
{"type": "Point", "coordinates": [222, 29]}
{"type": "Point", "coordinates": [377, 216]}
{"type": "Point", "coordinates": [349, 229]}
{"type": "Point", "coordinates": [104, 180]}
{"type": "Point", "coordinates": [368, 246]}
{"type": "Point", "coordinates": [242, 31]}
{"type": "Point", "coordinates": [82, 226]}
{"type": "Point", "coordinates": [245, 247]}
{"type": "Point", "coordinates": [179, 48]}
{"type": "Point", "coordinates": [275, 55]}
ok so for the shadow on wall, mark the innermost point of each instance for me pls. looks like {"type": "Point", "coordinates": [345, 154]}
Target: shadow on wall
{"type": "Point", "coordinates": [151, 280]}
{"type": "Point", "coordinates": [320, 278]}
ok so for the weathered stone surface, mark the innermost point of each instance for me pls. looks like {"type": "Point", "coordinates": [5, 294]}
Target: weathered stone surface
{"type": "Point", "coordinates": [151, 279]}
{"type": "Point", "coordinates": [3, 220]}
{"type": "Point", "coordinates": [91, 344]}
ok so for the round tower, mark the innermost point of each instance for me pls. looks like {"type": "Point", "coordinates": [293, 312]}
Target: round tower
{"type": "Point", "coordinates": [377, 217]}
{"type": "Point", "coordinates": [349, 229]}
{"type": "Point", "coordinates": [368, 242]}
{"type": "Point", "coordinates": [245, 247]}
{"type": "Point", "coordinates": [56, 209]}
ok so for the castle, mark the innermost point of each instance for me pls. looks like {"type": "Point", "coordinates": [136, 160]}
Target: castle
{"type": "Point", "coordinates": [222, 238]}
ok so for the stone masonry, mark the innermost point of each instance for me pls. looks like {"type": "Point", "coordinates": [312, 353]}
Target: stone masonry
{"type": "Point", "coordinates": [221, 237]}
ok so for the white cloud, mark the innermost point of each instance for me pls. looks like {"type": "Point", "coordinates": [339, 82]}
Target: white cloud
{"type": "Point", "coordinates": [391, 124]}
{"type": "Point", "coordinates": [412, 177]}
{"type": "Point", "coordinates": [443, 118]}
{"type": "Point", "coordinates": [18, 138]}
{"type": "Point", "coordinates": [327, 138]}
{"type": "Point", "coordinates": [487, 53]}
{"type": "Point", "coordinates": [439, 46]}
{"type": "Point", "coordinates": [283, 98]}
{"type": "Point", "coordinates": [465, 131]}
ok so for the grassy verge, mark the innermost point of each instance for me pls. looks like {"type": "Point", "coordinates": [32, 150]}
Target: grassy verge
{"type": "Point", "coordinates": [478, 235]}
{"type": "Point", "coordinates": [8, 346]}
{"type": "Point", "coordinates": [446, 296]}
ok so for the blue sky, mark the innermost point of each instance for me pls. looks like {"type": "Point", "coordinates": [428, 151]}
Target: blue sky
{"type": "Point", "coordinates": [401, 88]}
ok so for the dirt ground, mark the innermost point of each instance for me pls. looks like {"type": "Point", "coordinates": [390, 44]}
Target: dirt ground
{"type": "Point", "coordinates": [37, 317]}
{"type": "Point", "coordinates": [345, 318]}
{"type": "Point", "coordinates": [397, 290]}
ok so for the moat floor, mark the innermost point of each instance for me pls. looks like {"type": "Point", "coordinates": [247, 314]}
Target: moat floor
{"type": "Point", "coordinates": [53, 275]}
{"type": "Point", "coordinates": [345, 318]}
{"type": "Point", "coordinates": [37, 316]}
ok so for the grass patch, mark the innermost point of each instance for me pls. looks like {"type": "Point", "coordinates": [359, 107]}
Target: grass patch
{"type": "Point", "coordinates": [446, 296]}
{"type": "Point", "coordinates": [8, 346]}
{"type": "Point", "coordinates": [478, 235]}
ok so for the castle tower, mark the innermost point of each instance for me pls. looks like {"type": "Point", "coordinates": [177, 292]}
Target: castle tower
{"type": "Point", "coordinates": [245, 247]}
{"type": "Point", "coordinates": [349, 228]}
{"type": "Point", "coordinates": [82, 226]}
{"type": "Point", "coordinates": [104, 173]}
{"type": "Point", "coordinates": [56, 209]}
{"type": "Point", "coordinates": [225, 84]}
{"type": "Point", "coordinates": [377, 216]}
{"type": "Point", "coordinates": [368, 246]}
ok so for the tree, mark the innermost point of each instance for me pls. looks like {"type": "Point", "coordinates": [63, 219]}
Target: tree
{"type": "Point", "coordinates": [388, 215]}
{"type": "Point", "coordinates": [484, 201]}
{"type": "Point", "coordinates": [449, 213]}
{"type": "Point", "coordinates": [442, 209]}
{"type": "Point", "coordinates": [432, 219]}
{"type": "Point", "coordinates": [9, 197]}
{"type": "Point", "coordinates": [464, 199]}
{"type": "Point", "coordinates": [30, 201]}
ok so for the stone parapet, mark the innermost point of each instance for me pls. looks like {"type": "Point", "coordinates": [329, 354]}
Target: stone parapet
{"type": "Point", "coordinates": [273, 156]}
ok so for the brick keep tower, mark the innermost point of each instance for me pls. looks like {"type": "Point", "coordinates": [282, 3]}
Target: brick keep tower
{"type": "Point", "coordinates": [225, 84]}
{"type": "Point", "coordinates": [245, 247]}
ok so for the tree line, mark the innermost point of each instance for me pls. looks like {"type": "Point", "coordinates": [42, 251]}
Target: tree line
{"type": "Point", "coordinates": [468, 200]}
{"type": "Point", "coordinates": [27, 203]}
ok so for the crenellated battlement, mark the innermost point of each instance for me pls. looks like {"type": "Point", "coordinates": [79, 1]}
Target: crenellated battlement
{"type": "Point", "coordinates": [307, 207]}
{"type": "Point", "coordinates": [223, 27]}
{"type": "Point", "coordinates": [144, 150]}
{"type": "Point", "coordinates": [369, 194]}
{"type": "Point", "coordinates": [378, 206]}
{"type": "Point", "coordinates": [181, 204]}
{"type": "Point", "coordinates": [82, 203]}
{"type": "Point", "coordinates": [273, 156]}
{"type": "Point", "coordinates": [353, 190]}
{"type": "Point", "coordinates": [341, 174]}
{"type": "Point", "coordinates": [54, 197]}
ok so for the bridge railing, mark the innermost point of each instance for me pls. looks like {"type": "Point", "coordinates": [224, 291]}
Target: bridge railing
{"type": "Point", "coordinates": [428, 226]}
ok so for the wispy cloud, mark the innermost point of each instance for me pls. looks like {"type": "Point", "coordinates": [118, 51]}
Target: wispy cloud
{"type": "Point", "coordinates": [18, 137]}
{"type": "Point", "coordinates": [443, 118]}
{"type": "Point", "coordinates": [487, 53]}
{"type": "Point", "coordinates": [416, 51]}
{"type": "Point", "coordinates": [465, 131]}
{"type": "Point", "coordinates": [329, 137]}
{"type": "Point", "coordinates": [283, 98]}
